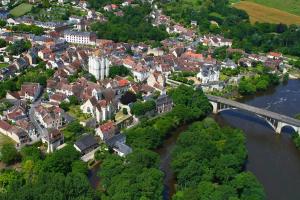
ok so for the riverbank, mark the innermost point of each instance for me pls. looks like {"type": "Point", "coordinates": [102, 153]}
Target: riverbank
{"type": "Point", "coordinates": [273, 158]}
{"type": "Point", "coordinates": [165, 162]}
{"type": "Point", "coordinates": [129, 177]}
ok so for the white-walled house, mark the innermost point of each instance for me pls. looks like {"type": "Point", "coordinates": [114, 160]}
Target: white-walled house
{"type": "Point", "coordinates": [209, 73]}
{"type": "Point", "coordinates": [100, 110]}
{"type": "Point", "coordinates": [140, 73]}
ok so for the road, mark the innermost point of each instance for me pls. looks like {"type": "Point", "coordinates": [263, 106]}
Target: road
{"type": "Point", "coordinates": [42, 131]}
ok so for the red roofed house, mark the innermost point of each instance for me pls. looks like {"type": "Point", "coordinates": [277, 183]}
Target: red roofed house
{"type": "Point", "coordinates": [30, 91]}
{"type": "Point", "coordinates": [274, 55]}
{"type": "Point", "coordinates": [15, 133]}
{"type": "Point", "coordinates": [107, 130]}
{"type": "Point", "coordinates": [49, 117]}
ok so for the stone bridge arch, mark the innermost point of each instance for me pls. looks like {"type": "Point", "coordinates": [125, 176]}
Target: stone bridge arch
{"type": "Point", "coordinates": [275, 124]}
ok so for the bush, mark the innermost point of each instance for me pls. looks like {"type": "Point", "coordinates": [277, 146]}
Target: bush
{"type": "Point", "coordinates": [141, 108]}
{"type": "Point", "coordinates": [127, 98]}
{"type": "Point", "coordinates": [9, 154]}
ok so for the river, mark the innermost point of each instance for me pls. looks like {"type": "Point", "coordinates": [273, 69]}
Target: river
{"type": "Point", "coordinates": [273, 158]}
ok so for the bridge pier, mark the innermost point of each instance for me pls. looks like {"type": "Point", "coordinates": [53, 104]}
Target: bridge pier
{"type": "Point", "coordinates": [280, 125]}
{"type": "Point", "coordinates": [215, 107]}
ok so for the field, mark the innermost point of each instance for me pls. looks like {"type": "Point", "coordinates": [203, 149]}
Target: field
{"type": "Point", "coordinates": [5, 140]}
{"type": "Point", "coordinates": [3, 65]}
{"type": "Point", "coordinates": [76, 113]}
{"type": "Point", "coordinates": [260, 13]}
{"type": "Point", "coordinates": [21, 9]}
{"type": "Point", "coordinates": [290, 6]}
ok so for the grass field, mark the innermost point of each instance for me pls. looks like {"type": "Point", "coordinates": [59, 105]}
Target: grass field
{"type": "Point", "coordinates": [76, 113]}
{"type": "Point", "coordinates": [290, 6]}
{"type": "Point", "coordinates": [21, 9]}
{"type": "Point", "coordinates": [5, 140]}
{"type": "Point", "coordinates": [3, 65]}
{"type": "Point", "coordinates": [260, 13]}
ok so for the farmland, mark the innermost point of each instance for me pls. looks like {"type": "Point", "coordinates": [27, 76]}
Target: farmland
{"type": "Point", "coordinates": [290, 6]}
{"type": "Point", "coordinates": [260, 13]}
{"type": "Point", "coordinates": [21, 9]}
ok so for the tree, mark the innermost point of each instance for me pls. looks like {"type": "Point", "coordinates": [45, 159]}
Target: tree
{"type": "Point", "coordinates": [2, 23]}
{"type": "Point", "coordinates": [141, 108]}
{"type": "Point", "coordinates": [118, 71]}
{"type": "Point", "coordinates": [61, 161]}
{"type": "Point", "coordinates": [73, 100]}
{"type": "Point", "coordinates": [3, 43]}
{"type": "Point", "coordinates": [9, 154]}
{"type": "Point", "coordinates": [65, 106]}
{"type": "Point", "coordinates": [79, 166]}
{"type": "Point", "coordinates": [208, 160]}
{"type": "Point", "coordinates": [246, 87]}
{"type": "Point", "coordinates": [18, 47]}
{"type": "Point", "coordinates": [74, 128]}
{"type": "Point", "coordinates": [248, 187]}
{"type": "Point", "coordinates": [128, 97]}
{"type": "Point", "coordinates": [31, 153]}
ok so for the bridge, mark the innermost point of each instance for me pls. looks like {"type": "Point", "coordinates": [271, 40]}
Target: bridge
{"type": "Point", "coordinates": [276, 121]}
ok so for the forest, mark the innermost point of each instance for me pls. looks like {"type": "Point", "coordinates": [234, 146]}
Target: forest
{"type": "Point", "coordinates": [138, 176]}
{"type": "Point", "coordinates": [208, 163]}
{"type": "Point", "coordinates": [60, 175]}
{"type": "Point", "coordinates": [134, 26]}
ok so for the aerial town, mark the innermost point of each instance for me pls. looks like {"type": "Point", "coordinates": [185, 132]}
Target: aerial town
{"type": "Point", "coordinates": [88, 106]}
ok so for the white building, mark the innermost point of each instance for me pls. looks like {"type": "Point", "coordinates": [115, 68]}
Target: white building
{"type": "Point", "coordinates": [209, 73]}
{"type": "Point", "coordinates": [99, 67]}
{"type": "Point", "coordinates": [78, 37]}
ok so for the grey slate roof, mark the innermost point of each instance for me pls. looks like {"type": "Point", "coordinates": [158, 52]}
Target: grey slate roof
{"type": "Point", "coordinates": [86, 142]}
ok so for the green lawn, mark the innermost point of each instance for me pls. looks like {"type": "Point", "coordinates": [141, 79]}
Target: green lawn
{"type": "Point", "coordinates": [21, 9]}
{"type": "Point", "coordinates": [5, 140]}
{"type": "Point", "coordinates": [290, 6]}
{"type": "Point", "coordinates": [76, 113]}
{"type": "Point", "coordinates": [3, 65]}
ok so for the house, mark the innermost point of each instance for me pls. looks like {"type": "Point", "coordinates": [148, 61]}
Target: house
{"type": "Point", "coordinates": [107, 130]}
{"type": "Point", "coordinates": [164, 104]}
{"type": "Point", "coordinates": [216, 41]}
{"type": "Point", "coordinates": [140, 73]}
{"type": "Point", "coordinates": [58, 98]}
{"type": "Point", "coordinates": [54, 138]}
{"type": "Point", "coordinates": [30, 91]}
{"type": "Point", "coordinates": [79, 37]}
{"type": "Point", "coordinates": [45, 53]}
{"type": "Point", "coordinates": [157, 80]}
{"type": "Point", "coordinates": [21, 63]}
{"type": "Point", "coordinates": [15, 133]}
{"type": "Point", "coordinates": [274, 55]}
{"type": "Point", "coordinates": [12, 96]}
{"type": "Point", "coordinates": [209, 73]}
{"type": "Point", "coordinates": [32, 58]}
{"type": "Point", "coordinates": [29, 128]}
{"type": "Point", "coordinates": [229, 64]}
{"type": "Point", "coordinates": [86, 144]}
{"type": "Point", "coordinates": [49, 116]}
{"type": "Point", "coordinates": [100, 110]}
{"type": "Point", "coordinates": [110, 7]}
{"type": "Point", "coordinates": [118, 144]}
